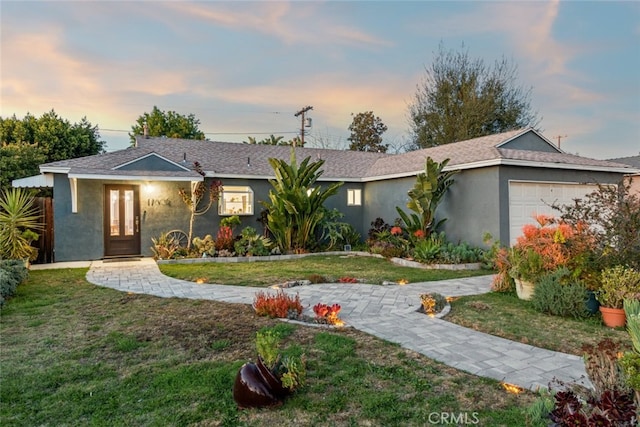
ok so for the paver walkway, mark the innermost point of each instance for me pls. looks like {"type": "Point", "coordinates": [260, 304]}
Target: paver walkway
{"type": "Point", "coordinates": [388, 312]}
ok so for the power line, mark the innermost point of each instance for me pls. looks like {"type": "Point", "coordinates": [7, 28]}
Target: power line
{"type": "Point", "coordinates": [218, 133]}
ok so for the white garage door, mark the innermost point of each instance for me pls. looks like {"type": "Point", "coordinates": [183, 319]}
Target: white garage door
{"type": "Point", "coordinates": [528, 199]}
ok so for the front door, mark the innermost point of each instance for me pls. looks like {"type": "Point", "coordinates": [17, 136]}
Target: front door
{"type": "Point", "coordinates": [121, 220]}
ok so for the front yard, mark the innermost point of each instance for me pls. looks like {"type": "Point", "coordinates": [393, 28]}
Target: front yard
{"type": "Point", "coordinates": [74, 354]}
{"type": "Point", "coordinates": [77, 354]}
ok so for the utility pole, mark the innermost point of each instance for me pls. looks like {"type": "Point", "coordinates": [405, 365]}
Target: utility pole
{"type": "Point", "coordinates": [301, 113]}
{"type": "Point", "coordinates": [559, 138]}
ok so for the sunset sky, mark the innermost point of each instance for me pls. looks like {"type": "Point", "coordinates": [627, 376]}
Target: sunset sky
{"type": "Point", "coordinates": [244, 68]}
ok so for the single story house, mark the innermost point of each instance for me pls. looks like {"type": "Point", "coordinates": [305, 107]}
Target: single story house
{"type": "Point", "coordinates": [112, 204]}
{"type": "Point", "coordinates": [634, 178]}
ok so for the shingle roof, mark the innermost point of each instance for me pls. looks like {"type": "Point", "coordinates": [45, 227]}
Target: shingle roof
{"type": "Point", "coordinates": [631, 161]}
{"type": "Point", "coordinates": [477, 151]}
{"type": "Point", "coordinates": [226, 159]}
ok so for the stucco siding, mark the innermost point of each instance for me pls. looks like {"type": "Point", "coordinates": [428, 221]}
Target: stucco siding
{"type": "Point", "coordinates": [77, 236]}
{"type": "Point", "coordinates": [381, 199]}
{"type": "Point", "coordinates": [471, 207]}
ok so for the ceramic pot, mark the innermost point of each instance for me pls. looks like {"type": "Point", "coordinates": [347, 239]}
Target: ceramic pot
{"type": "Point", "coordinates": [524, 289]}
{"type": "Point", "coordinates": [592, 303]}
{"type": "Point", "coordinates": [251, 389]}
{"type": "Point", "coordinates": [613, 317]}
{"type": "Point", "coordinates": [272, 380]}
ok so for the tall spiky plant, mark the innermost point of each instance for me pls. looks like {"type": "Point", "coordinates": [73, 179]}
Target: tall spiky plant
{"type": "Point", "coordinates": [19, 220]}
{"type": "Point", "coordinates": [425, 196]}
{"type": "Point", "coordinates": [294, 209]}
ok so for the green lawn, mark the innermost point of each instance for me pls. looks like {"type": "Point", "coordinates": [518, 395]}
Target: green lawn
{"type": "Point", "coordinates": [77, 354]}
{"type": "Point", "coordinates": [369, 269]}
{"type": "Point", "coordinates": [507, 316]}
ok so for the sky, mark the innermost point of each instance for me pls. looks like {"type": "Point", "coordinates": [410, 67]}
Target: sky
{"type": "Point", "coordinates": [245, 68]}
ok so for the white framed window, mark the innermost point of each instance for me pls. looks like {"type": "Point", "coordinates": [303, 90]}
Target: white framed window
{"type": "Point", "coordinates": [354, 197]}
{"type": "Point", "coordinates": [236, 201]}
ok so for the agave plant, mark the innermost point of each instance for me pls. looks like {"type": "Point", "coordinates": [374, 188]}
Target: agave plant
{"type": "Point", "coordinates": [18, 220]}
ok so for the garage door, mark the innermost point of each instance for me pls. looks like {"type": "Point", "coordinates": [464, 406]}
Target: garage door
{"type": "Point", "coordinates": [528, 199]}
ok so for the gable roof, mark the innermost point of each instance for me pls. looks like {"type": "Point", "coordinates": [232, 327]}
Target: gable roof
{"type": "Point", "coordinates": [236, 160]}
{"type": "Point", "coordinates": [487, 151]}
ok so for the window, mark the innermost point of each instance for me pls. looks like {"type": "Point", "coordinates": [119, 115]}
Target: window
{"type": "Point", "coordinates": [236, 201]}
{"type": "Point", "coordinates": [354, 197]}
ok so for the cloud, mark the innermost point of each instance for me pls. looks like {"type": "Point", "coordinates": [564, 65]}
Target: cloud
{"type": "Point", "coordinates": [293, 24]}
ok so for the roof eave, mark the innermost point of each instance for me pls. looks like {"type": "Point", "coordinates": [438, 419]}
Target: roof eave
{"type": "Point", "coordinates": [107, 177]}
{"type": "Point", "coordinates": [54, 169]}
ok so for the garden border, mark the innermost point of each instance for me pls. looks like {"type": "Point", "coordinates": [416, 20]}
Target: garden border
{"type": "Point", "coordinates": [399, 261]}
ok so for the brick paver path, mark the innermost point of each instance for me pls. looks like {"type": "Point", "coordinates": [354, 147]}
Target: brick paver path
{"type": "Point", "coordinates": [388, 312]}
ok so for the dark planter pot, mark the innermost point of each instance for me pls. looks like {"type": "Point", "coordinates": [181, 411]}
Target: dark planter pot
{"type": "Point", "coordinates": [592, 303]}
{"type": "Point", "coordinates": [256, 387]}
{"type": "Point", "coordinates": [250, 390]}
{"type": "Point", "coordinates": [275, 385]}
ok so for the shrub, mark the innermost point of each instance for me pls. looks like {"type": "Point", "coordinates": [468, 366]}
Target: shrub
{"type": "Point", "coordinates": [427, 250]}
{"type": "Point", "coordinates": [391, 251]}
{"type": "Point", "coordinates": [317, 278]}
{"type": "Point", "coordinates": [251, 243]}
{"type": "Point", "coordinates": [450, 253]}
{"type": "Point", "coordinates": [611, 403]}
{"type": "Point", "coordinates": [558, 294]}
{"type": "Point", "coordinates": [224, 239]}
{"type": "Point", "coordinates": [279, 305]}
{"type": "Point", "coordinates": [377, 226]}
{"type": "Point", "coordinates": [617, 284]}
{"type": "Point", "coordinates": [164, 246]}
{"type": "Point", "coordinates": [267, 343]}
{"type": "Point", "coordinates": [204, 245]}
{"type": "Point", "coordinates": [336, 233]}
{"type": "Point", "coordinates": [612, 214]}
{"type": "Point", "coordinates": [549, 245]}
{"type": "Point", "coordinates": [12, 273]}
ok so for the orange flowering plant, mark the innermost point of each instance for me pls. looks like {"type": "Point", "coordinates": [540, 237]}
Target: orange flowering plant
{"type": "Point", "coordinates": [544, 247]}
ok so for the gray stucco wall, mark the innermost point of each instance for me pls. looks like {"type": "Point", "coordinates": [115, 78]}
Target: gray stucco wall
{"type": "Point", "coordinates": [77, 236]}
{"type": "Point", "coordinates": [381, 199]}
{"type": "Point", "coordinates": [478, 201]}
{"type": "Point", "coordinates": [472, 207]}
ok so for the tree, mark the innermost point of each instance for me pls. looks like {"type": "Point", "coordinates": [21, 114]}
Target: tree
{"type": "Point", "coordinates": [193, 198]}
{"type": "Point", "coordinates": [461, 98]}
{"type": "Point", "coordinates": [167, 123]}
{"type": "Point", "coordinates": [26, 143]}
{"type": "Point", "coordinates": [272, 140]}
{"type": "Point", "coordinates": [296, 203]}
{"type": "Point", "coordinates": [366, 133]}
